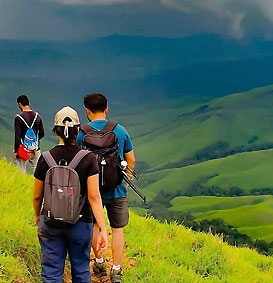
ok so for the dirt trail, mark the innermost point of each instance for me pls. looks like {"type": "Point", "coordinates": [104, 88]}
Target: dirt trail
{"type": "Point", "coordinates": [128, 263]}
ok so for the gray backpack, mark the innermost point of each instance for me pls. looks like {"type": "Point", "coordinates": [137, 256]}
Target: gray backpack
{"type": "Point", "coordinates": [63, 201]}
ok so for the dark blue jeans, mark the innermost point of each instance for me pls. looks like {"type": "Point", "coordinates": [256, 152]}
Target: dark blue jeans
{"type": "Point", "coordinates": [56, 243]}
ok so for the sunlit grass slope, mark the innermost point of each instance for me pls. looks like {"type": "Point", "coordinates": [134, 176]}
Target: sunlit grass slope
{"type": "Point", "coordinates": [19, 253]}
{"type": "Point", "coordinates": [171, 253]}
{"type": "Point", "coordinates": [162, 252]}
{"type": "Point", "coordinates": [234, 119]}
{"type": "Point", "coordinates": [251, 170]}
{"type": "Point", "coordinates": [252, 215]}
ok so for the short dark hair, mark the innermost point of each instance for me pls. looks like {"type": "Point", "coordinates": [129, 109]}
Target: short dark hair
{"type": "Point", "coordinates": [23, 99]}
{"type": "Point", "coordinates": [95, 102]}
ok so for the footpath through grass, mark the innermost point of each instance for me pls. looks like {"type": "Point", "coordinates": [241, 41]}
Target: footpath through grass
{"type": "Point", "coordinates": [161, 252]}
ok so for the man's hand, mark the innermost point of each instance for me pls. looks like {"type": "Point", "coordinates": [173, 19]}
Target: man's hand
{"type": "Point", "coordinates": [131, 161]}
{"type": "Point", "coordinates": [15, 156]}
{"type": "Point", "coordinates": [102, 242]}
{"type": "Point", "coordinates": [37, 219]}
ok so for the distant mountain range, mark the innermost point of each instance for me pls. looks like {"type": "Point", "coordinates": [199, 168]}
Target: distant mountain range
{"type": "Point", "coordinates": [137, 68]}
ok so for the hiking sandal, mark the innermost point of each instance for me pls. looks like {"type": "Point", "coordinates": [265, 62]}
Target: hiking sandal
{"type": "Point", "coordinates": [100, 269]}
{"type": "Point", "coordinates": [116, 275]}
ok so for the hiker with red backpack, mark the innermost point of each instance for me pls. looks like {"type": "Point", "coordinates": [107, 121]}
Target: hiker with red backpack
{"type": "Point", "coordinates": [112, 145]}
{"type": "Point", "coordinates": [66, 197]}
{"type": "Point", "coordinates": [29, 130]}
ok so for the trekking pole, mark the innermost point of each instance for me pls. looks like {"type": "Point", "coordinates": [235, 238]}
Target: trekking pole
{"type": "Point", "coordinates": [134, 188]}
{"type": "Point", "coordinates": [124, 166]}
{"type": "Point", "coordinates": [134, 173]}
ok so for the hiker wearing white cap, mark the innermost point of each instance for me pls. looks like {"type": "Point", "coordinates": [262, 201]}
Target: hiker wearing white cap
{"type": "Point", "coordinates": [66, 183]}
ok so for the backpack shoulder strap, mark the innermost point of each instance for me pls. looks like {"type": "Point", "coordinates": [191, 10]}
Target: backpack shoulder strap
{"type": "Point", "coordinates": [35, 118]}
{"type": "Point", "coordinates": [110, 126]}
{"type": "Point", "coordinates": [23, 120]}
{"type": "Point", "coordinates": [87, 129]}
{"type": "Point", "coordinates": [82, 203]}
{"type": "Point", "coordinates": [78, 158]}
{"type": "Point", "coordinates": [49, 159]}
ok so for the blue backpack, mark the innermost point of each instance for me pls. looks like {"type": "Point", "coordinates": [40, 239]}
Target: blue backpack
{"type": "Point", "coordinates": [30, 141]}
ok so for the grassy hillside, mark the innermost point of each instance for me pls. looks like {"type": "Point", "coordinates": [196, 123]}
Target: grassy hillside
{"type": "Point", "coordinates": [247, 171]}
{"type": "Point", "coordinates": [19, 253]}
{"type": "Point", "coordinates": [222, 125]}
{"type": "Point", "coordinates": [174, 132]}
{"type": "Point", "coordinates": [161, 252]}
{"type": "Point", "coordinates": [252, 215]}
{"type": "Point", "coordinates": [49, 99]}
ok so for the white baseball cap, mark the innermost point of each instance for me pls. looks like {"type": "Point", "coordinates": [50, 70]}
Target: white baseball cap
{"type": "Point", "coordinates": [67, 117]}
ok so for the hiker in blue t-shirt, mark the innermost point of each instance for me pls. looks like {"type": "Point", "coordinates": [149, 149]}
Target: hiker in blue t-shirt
{"type": "Point", "coordinates": [114, 200]}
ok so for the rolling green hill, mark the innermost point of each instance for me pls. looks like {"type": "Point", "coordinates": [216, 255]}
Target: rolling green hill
{"type": "Point", "coordinates": [161, 252]}
{"type": "Point", "coordinates": [239, 174]}
{"type": "Point", "coordinates": [248, 171]}
{"type": "Point", "coordinates": [172, 132]}
{"type": "Point", "coordinates": [252, 215]}
{"type": "Point", "coordinates": [222, 126]}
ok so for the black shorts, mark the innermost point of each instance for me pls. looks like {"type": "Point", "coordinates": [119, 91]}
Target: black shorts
{"type": "Point", "coordinates": [117, 212]}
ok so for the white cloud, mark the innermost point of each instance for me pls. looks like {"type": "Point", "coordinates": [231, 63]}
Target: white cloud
{"type": "Point", "coordinates": [236, 12]}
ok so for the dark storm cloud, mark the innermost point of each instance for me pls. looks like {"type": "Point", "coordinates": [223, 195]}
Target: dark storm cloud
{"type": "Point", "coordinates": [85, 19]}
{"type": "Point", "coordinates": [240, 15]}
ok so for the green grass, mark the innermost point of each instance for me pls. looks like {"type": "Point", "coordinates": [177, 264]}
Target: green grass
{"type": "Point", "coordinates": [252, 215]}
{"type": "Point", "coordinates": [245, 170]}
{"type": "Point", "coordinates": [162, 252]}
{"type": "Point", "coordinates": [234, 119]}
{"type": "Point", "coordinates": [19, 252]}
{"type": "Point", "coordinates": [171, 253]}
{"type": "Point", "coordinates": [202, 204]}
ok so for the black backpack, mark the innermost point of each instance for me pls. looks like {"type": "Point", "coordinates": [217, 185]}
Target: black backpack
{"type": "Point", "coordinates": [104, 144]}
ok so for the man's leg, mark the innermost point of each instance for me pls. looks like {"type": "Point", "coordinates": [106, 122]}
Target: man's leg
{"type": "Point", "coordinates": [53, 253]}
{"type": "Point", "coordinates": [34, 157]}
{"type": "Point", "coordinates": [79, 237]}
{"type": "Point", "coordinates": [118, 215]}
{"type": "Point", "coordinates": [117, 245]}
{"type": "Point", "coordinates": [22, 165]}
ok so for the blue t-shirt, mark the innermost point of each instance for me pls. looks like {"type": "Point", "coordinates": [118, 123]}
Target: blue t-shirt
{"type": "Point", "coordinates": [124, 145]}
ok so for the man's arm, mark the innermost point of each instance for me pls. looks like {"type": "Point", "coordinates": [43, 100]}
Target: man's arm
{"type": "Point", "coordinates": [41, 129]}
{"type": "Point", "coordinates": [17, 136]}
{"type": "Point", "coordinates": [38, 198]}
{"type": "Point", "coordinates": [131, 161]}
{"type": "Point", "coordinates": [129, 154]}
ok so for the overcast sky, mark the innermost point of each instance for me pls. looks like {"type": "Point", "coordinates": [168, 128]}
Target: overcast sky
{"type": "Point", "coordinates": [86, 19]}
